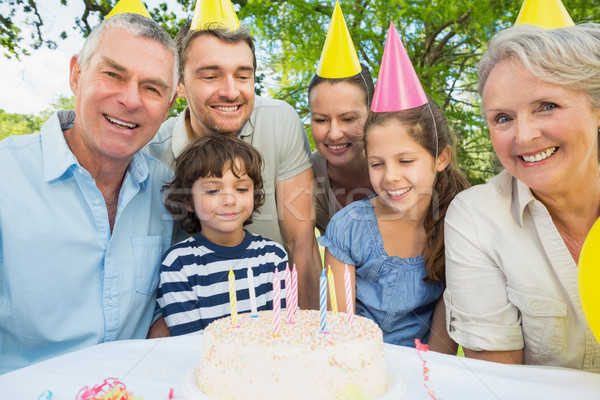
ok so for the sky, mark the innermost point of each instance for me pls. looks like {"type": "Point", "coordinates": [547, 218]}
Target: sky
{"type": "Point", "coordinates": [29, 86]}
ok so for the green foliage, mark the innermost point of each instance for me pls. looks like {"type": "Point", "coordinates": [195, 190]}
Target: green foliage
{"type": "Point", "coordinates": [18, 124]}
{"type": "Point", "coordinates": [444, 39]}
{"type": "Point", "coordinates": [22, 124]}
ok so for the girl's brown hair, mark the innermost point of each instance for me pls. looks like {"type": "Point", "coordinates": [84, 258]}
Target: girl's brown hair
{"type": "Point", "coordinates": [422, 123]}
{"type": "Point", "coordinates": [210, 156]}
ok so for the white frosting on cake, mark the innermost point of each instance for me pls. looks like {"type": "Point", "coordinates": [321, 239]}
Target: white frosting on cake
{"type": "Point", "coordinates": [248, 362]}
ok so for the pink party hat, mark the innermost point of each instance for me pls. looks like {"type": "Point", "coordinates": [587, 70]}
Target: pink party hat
{"type": "Point", "coordinates": [398, 87]}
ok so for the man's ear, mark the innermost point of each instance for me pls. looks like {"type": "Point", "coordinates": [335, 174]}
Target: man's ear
{"type": "Point", "coordinates": [443, 159]}
{"type": "Point", "coordinates": [74, 73]}
{"type": "Point", "coordinates": [181, 92]}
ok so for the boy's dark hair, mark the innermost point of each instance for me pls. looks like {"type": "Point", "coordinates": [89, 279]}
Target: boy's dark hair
{"type": "Point", "coordinates": [210, 156]}
{"type": "Point", "coordinates": [422, 124]}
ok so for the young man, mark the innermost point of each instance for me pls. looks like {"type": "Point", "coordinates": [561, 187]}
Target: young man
{"type": "Point", "coordinates": [82, 225]}
{"type": "Point", "coordinates": [216, 76]}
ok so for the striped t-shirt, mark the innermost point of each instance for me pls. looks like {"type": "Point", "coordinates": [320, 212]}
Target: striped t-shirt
{"type": "Point", "coordinates": [194, 287]}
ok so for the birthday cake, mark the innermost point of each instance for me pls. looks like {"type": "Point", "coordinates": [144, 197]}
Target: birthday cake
{"type": "Point", "coordinates": [302, 362]}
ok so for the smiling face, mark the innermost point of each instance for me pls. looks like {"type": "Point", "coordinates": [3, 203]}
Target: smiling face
{"type": "Point", "coordinates": [544, 134]}
{"type": "Point", "coordinates": [120, 102]}
{"type": "Point", "coordinates": [338, 113]}
{"type": "Point", "coordinates": [402, 171]}
{"type": "Point", "coordinates": [223, 205]}
{"type": "Point", "coordinates": [218, 85]}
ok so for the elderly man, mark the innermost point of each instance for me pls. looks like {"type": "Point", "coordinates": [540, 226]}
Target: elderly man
{"type": "Point", "coordinates": [82, 224]}
{"type": "Point", "coordinates": [216, 76]}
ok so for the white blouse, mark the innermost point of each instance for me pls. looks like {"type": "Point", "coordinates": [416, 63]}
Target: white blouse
{"type": "Point", "coordinates": [511, 281]}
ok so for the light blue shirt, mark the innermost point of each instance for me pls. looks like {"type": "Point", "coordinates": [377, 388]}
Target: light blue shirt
{"type": "Point", "coordinates": [66, 282]}
{"type": "Point", "coordinates": [389, 290]}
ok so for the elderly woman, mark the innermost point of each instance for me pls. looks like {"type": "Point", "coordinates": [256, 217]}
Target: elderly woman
{"type": "Point", "coordinates": [338, 111]}
{"type": "Point", "coordinates": [512, 245]}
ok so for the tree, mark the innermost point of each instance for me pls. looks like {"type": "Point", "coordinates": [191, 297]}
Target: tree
{"type": "Point", "coordinates": [444, 39]}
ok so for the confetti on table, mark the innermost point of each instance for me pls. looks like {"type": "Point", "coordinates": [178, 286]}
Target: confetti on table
{"type": "Point", "coordinates": [110, 389]}
{"type": "Point", "coordinates": [47, 395]}
{"type": "Point", "coordinates": [423, 348]}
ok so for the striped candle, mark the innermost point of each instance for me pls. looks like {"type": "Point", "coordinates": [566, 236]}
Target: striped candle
{"type": "Point", "coordinates": [332, 291]}
{"type": "Point", "coordinates": [295, 289]}
{"type": "Point", "coordinates": [252, 293]}
{"type": "Point", "coordinates": [291, 296]}
{"type": "Point", "coordinates": [276, 303]}
{"type": "Point", "coordinates": [288, 283]}
{"type": "Point", "coordinates": [232, 298]}
{"type": "Point", "coordinates": [348, 290]}
{"type": "Point", "coordinates": [323, 302]}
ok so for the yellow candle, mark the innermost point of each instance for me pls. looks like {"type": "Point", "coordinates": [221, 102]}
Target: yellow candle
{"type": "Point", "coordinates": [232, 298]}
{"type": "Point", "coordinates": [332, 291]}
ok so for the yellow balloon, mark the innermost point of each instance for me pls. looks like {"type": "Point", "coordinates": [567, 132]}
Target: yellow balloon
{"type": "Point", "coordinates": [589, 279]}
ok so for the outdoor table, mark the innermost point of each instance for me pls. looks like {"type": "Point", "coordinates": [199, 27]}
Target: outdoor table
{"type": "Point", "coordinates": [151, 368]}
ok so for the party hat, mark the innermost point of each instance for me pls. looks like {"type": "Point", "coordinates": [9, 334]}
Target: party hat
{"type": "Point", "coordinates": [129, 6]}
{"type": "Point", "coordinates": [214, 14]}
{"type": "Point", "coordinates": [547, 14]}
{"type": "Point", "coordinates": [398, 87]}
{"type": "Point", "coordinates": [338, 59]}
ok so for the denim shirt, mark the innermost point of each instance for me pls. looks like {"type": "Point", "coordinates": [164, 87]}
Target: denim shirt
{"type": "Point", "coordinates": [389, 290]}
{"type": "Point", "coordinates": [66, 280]}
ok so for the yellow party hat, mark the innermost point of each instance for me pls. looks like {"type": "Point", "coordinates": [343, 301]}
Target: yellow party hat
{"type": "Point", "coordinates": [547, 14]}
{"type": "Point", "coordinates": [129, 6]}
{"type": "Point", "coordinates": [214, 14]}
{"type": "Point", "coordinates": [338, 59]}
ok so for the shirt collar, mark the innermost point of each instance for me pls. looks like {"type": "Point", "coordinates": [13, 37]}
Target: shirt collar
{"type": "Point", "coordinates": [180, 138]}
{"type": "Point", "coordinates": [521, 197]}
{"type": "Point", "coordinates": [57, 155]}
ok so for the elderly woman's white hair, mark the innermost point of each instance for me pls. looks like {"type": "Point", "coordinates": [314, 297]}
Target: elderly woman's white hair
{"type": "Point", "coordinates": [565, 56]}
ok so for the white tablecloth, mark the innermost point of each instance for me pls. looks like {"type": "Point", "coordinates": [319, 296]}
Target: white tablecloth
{"type": "Point", "coordinates": [150, 368]}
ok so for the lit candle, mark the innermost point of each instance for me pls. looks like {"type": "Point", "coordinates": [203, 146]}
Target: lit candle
{"type": "Point", "coordinates": [252, 293]}
{"type": "Point", "coordinates": [323, 302]}
{"type": "Point", "coordinates": [276, 303]}
{"type": "Point", "coordinates": [232, 298]}
{"type": "Point", "coordinates": [332, 291]}
{"type": "Point", "coordinates": [348, 290]}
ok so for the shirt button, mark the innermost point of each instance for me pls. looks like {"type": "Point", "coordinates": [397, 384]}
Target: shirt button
{"type": "Point", "coordinates": [535, 306]}
{"type": "Point", "coordinates": [110, 302]}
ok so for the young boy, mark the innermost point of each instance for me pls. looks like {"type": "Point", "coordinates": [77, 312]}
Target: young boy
{"type": "Point", "coordinates": [216, 188]}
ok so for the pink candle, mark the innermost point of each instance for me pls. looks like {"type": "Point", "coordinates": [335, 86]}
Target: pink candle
{"type": "Point", "coordinates": [348, 290]}
{"type": "Point", "coordinates": [288, 283]}
{"type": "Point", "coordinates": [291, 297]}
{"type": "Point", "coordinates": [295, 288]}
{"type": "Point", "coordinates": [276, 303]}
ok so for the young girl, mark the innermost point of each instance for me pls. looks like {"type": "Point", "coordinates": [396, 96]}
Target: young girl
{"type": "Point", "coordinates": [217, 186]}
{"type": "Point", "coordinates": [393, 241]}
